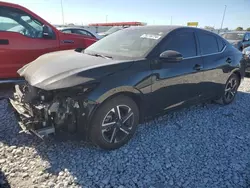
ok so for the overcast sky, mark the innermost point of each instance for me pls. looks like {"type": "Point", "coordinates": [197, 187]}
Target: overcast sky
{"type": "Point", "coordinates": [206, 12]}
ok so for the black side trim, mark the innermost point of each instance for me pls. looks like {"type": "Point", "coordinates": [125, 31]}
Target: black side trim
{"type": "Point", "coordinates": [68, 41]}
{"type": "Point", "coordinates": [4, 41]}
{"type": "Point", "coordinates": [10, 81]}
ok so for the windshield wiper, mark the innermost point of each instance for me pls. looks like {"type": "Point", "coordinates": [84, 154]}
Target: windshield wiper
{"type": "Point", "coordinates": [100, 55]}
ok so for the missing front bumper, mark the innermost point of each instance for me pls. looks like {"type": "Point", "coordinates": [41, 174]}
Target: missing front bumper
{"type": "Point", "coordinates": [27, 120]}
{"type": "Point", "coordinates": [45, 113]}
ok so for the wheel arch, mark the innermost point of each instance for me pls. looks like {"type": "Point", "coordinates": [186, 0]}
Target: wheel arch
{"type": "Point", "coordinates": [124, 90]}
{"type": "Point", "coordinates": [238, 73]}
{"type": "Point", "coordinates": [127, 91]}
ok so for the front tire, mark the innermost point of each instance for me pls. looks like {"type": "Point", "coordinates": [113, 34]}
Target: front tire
{"type": "Point", "coordinates": [230, 90]}
{"type": "Point", "coordinates": [114, 123]}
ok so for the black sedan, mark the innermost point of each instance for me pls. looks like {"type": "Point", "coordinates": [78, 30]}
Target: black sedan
{"type": "Point", "coordinates": [105, 91]}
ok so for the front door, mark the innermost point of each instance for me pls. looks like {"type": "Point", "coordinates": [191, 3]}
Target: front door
{"type": "Point", "coordinates": [177, 83]}
{"type": "Point", "coordinates": [21, 41]}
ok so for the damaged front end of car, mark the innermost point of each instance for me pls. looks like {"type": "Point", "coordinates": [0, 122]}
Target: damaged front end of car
{"type": "Point", "coordinates": [48, 112]}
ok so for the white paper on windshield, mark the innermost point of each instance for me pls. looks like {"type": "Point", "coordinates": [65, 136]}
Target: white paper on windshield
{"type": "Point", "coordinates": [151, 36]}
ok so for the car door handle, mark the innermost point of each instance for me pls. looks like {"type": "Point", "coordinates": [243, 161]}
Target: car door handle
{"type": "Point", "coordinates": [68, 41]}
{"type": "Point", "coordinates": [198, 67]}
{"type": "Point", "coordinates": [4, 41]}
{"type": "Point", "coordinates": [229, 60]}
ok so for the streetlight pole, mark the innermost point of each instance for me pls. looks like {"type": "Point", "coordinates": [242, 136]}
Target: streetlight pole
{"type": "Point", "coordinates": [62, 12]}
{"type": "Point", "coordinates": [223, 16]}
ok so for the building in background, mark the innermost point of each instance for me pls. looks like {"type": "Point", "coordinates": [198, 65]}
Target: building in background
{"type": "Point", "coordinates": [103, 27]}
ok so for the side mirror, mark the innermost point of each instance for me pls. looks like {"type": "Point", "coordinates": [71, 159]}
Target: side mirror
{"type": "Point", "coordinates": [171, 55]}
{"type": "Point", "coordinates": [47, 32]}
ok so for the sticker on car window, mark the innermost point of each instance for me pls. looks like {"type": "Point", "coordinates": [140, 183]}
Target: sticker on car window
{"type": "Point", "coordinates": [151, 36]}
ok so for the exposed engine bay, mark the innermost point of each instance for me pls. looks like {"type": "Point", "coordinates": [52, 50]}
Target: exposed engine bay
{"type": "Point", "coordinates": [47, 112]}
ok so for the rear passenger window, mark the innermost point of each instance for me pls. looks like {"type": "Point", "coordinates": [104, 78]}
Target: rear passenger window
{"type": "Point", "coordinates": [183, 42]}
{"type": "Point", "coordinates": [221, 44]}
{"type": "Point", "coordinates": [208, 44]}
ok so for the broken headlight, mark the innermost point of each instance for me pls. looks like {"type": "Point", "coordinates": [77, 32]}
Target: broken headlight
{"type": "Point", "coordinates": [76, 90]}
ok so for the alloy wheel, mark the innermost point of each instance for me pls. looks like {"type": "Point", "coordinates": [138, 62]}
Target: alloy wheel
{"type": "Point", "coordinates": [231, 89]}
{"type": "Point", "coordinates": [117, 124]}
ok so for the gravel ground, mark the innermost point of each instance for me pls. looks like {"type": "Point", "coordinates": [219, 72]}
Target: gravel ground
{"type": "Point", "coordinates": [202, 146]}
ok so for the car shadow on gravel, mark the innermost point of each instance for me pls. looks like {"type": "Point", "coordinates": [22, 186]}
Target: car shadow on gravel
{"type": "Point", "coordinates": [3, 180]}
{"type": "Point", "coordinates": [187, 158]}
{"type": "Point", "coordinates": [6, 90]}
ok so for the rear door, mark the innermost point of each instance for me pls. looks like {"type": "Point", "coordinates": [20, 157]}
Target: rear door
{"type": "Point", "coordinates": [177, 83]}
{"type": "Point", "coordinates": [216, 62]}
{"type": "Point", "coordinates": [71, 39]}
{"type": "Point", "coordinates": [21, 40]}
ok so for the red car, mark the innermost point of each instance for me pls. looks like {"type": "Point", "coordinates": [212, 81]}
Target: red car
{"type": "Point", "coordinates": [24, 36]}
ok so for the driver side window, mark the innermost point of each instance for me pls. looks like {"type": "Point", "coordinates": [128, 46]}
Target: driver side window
{"type": "Point", "coordinates": [183, 42]}
{"type": "Point", "coordinates": [14, 20]}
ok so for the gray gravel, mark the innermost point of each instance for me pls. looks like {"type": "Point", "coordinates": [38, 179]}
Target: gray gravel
{"type": "Point", "coordinates": [202, 146]}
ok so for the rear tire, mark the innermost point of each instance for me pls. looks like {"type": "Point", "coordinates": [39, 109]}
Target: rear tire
{"type": "Point", "coordinates": [230, 90]}
{"type": "Point", "coordinates": [114, 123]}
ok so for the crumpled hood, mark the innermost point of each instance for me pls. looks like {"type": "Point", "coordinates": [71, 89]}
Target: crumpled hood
{"type": "Point", "coordinates": [66, 69]}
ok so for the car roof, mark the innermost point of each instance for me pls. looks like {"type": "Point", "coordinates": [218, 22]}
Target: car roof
{"type": "Point", "coordinates": [166, 28]}
{"type": "Point", "coordinates": [162, 28]}
{"type": "Point", "coordinates": [10, 4]}
{"type": "Point", "coordinates": [240, 32]}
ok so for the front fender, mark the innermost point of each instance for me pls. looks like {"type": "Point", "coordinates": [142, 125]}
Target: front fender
{"type": "Point", "coordinates": [100, 95]}
{"type": "Point", "coordinates": [96, 98]}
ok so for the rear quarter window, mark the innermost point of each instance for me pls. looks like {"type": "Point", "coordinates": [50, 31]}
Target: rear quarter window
{"type": "Point", "coordinates": [221, 44]}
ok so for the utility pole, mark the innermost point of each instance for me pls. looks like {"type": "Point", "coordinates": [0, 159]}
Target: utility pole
{"type": "Point", "coordinates": [62, 12]}
{"type": "Point", "coordinates": [223, 16]}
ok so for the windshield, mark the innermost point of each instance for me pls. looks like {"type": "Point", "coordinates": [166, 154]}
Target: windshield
{"type": "Point", "coordinates": [233, 36]}
{"type": "Point", "coordinates": [133, 43]}
{"type": "Point", "coordinates": [113, 29]}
